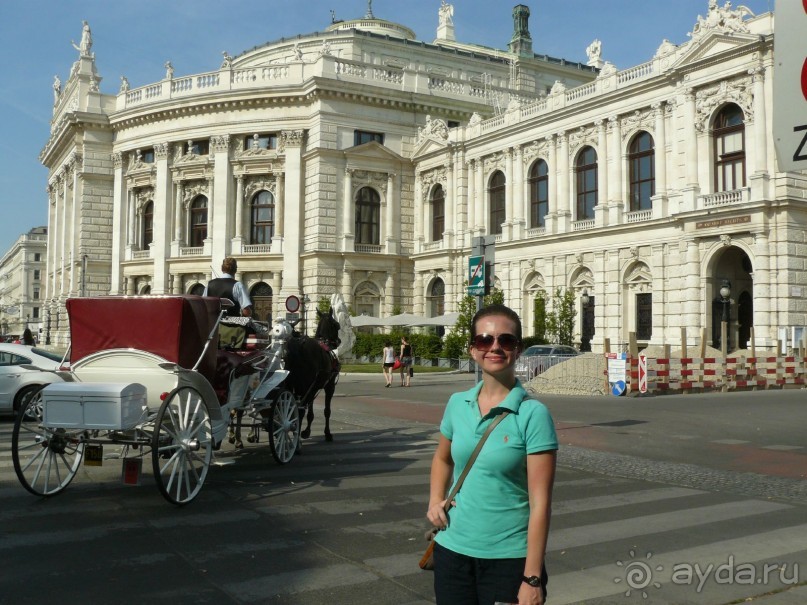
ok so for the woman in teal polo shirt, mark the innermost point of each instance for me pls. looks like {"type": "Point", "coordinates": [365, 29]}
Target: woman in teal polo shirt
{"type": "Point", "coordinates": [491, 547]}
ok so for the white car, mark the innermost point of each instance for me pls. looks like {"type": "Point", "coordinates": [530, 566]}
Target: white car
{"type": "Point", "coordinates": [539, 358]}
{"type": "Point", "coordinates": [18, 382]}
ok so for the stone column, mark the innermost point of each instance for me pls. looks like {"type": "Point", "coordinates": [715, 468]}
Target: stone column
{"type": "Point", "coordinates": [418, 211]}
{"type": "Point", "coordinates": [760, 145]}
{"type": "Point", "coordinates": [603, 157]}
{"type": "Point", "coordinates": [293, 208]}
{"type": "Point", "coordinates": [348, 237]}
{"type": "Point", "coordinates": [278, 302]}
{"type": "Point", "coordinates": [280, 214]}
{"type": "Point", "coordinates": [764, 319]}
{"type": "Point", "coordinates": [389, 294]}
{"type": "Point", "coordinates": [118, 223]}
{"type": "Point", "coordinates": [508, 194]}
{"type": "Point", "coordinates": [220, 231]}
{"type": "Point", "coordinates": [618, 203]}
{"type": "Point", "coordinates": [519, 203]}
{"type": "Point", "coordinates": [565, 203]}
{"type": "Point", "coordinates": [471, 214]}
{"type": "Point", "coordinates": [451, 201]}
{"type": "Point", "coordinates": [660, 197]}
{"type": "Point", "coordinates": [418, 294]}
{"type": "Point", "coordinates": [481, 198]}
{"type": "Point", "coordinates": [162, 220]}
{"type": "Point", "coordinates": [73, 241]}
{"type": "Point", "coordinates": [207, 243]}
{"type": "Point", "coordinates": [692, 140]}
{"type": "Point", "coordinates": [692, 294]}
{"type": "Point", "coordinates": [551, 219]}
{"type": "Point", "coordinates": [53, 240]}
{"type": "Point", "coordinates": [50, 247]}
{"type": "Point", "coordinates": [63, 254]}
{"type": "Point", "coordinates": [239, 207]}
{"type": "Point", "coordinates": [179, 203]}
{"type": "Point", "coordinates": [392, 234]}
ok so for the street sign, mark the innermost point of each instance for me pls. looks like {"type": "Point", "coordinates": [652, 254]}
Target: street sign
{"type": "Point", "coordinates": [790, 86]}
{"type": "Point", "coordinates": [292, 317]}
{"type": "Point", "coordinates": [642, 374]}
{"type": "Point", "coordinates": [292, 304]}
{"type": "Point", "coordinates": [617, 372]}
{"type": "Point", "coordinates": [617, 388]}
{"type": "Point", "coordinates": [476, 276]}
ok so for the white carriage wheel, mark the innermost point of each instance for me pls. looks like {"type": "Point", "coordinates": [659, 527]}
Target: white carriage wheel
{"type": "Point", "coordinates": [284, 427]}
{"type": "Point", "coordinates": [182, 445]}
{"type": "Point", "coordinates": [45, 459]}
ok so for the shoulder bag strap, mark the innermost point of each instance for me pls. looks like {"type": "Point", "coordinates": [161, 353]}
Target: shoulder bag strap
{"type": "Point", "coordinates": [472, 459]}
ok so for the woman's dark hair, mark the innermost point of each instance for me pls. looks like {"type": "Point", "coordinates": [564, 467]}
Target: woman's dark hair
{"type": "Point", "coordinates": [387, 343]}
{"type": "Point", "coordinates": [496, 310]}
{"type": "Point", "coordinates": [27, 337]}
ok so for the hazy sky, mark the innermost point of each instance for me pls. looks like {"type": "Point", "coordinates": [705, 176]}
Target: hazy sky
{"type": "Point", "coordinates": [135, 39]}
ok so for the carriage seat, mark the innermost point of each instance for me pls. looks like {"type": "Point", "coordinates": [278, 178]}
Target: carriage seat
{"type": "Point", "coordinates": [226, 362]}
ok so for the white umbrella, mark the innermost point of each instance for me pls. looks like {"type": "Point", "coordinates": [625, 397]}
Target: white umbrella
{"type": "Point", "coordinates": [449, 319]}
{"type": "Point", "coordinates": [366, 320]}
{"type": "Point", "coordinates": [403, 319]}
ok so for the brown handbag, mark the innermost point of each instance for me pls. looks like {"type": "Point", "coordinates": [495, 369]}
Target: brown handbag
{"type": "Point", "coordinates": [427, 560]}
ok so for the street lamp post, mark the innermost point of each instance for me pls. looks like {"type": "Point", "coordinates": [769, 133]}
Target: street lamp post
{"type": "Point", "coordinates": [585, 339]}
{"type": "Point", "coordinates": [725, 298]}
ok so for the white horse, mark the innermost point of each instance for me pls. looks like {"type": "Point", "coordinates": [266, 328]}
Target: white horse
{"type": "Point", "coordinates": [348, 338]}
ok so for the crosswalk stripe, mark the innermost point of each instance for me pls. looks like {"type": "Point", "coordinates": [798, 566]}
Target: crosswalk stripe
{"type": "Point", "coordinates": [599, 582]}
{"type": "Point", "coordinates": [613, 500]}
{"type": "Point", "coordinates": [586, 535]}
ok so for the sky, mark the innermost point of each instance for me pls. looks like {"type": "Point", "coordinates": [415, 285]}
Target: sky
{"type": "Point", "coordinates": [135, 39]}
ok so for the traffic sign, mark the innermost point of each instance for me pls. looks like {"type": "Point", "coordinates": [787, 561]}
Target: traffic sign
{"type": "Point", "coordinates": [790, 86]}
{"type": "Point", "coordinates": [292, 317]}
{"type": "Point", "coordinates": [292, 304]}
{"type": "Point", "coordinates": [476, 276]}
{"type": "Point", "coordinates": [642, 374]}
{"type": "Point", "coordinates": [617, 388]}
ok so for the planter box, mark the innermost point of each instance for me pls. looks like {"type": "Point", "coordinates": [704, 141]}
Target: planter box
{"type": "Point", "coordinates": [99, 405]}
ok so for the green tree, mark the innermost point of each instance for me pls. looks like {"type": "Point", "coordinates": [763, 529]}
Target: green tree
{"type": "Point", "coordinates": [560, 320]}
{"type": "Point", "coordinates": [539, 313]}
{"type": "Point", "coordinates": [323, 304]}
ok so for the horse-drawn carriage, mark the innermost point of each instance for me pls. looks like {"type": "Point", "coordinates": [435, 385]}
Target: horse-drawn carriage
{"type": "Point", "coordinates": [147, 374]}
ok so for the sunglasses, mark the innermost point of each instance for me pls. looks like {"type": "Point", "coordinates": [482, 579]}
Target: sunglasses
{"type": "Point", "coordinates": [484, 342]}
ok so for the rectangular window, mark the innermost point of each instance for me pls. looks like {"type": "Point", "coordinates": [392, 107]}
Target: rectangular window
{"type": "Point", "coordinates": [35, 312]}
{"type": "Point", "coordinates": [199, 147]}
{"type": "Point", "coordinates": [147, 156]}
{"type": "Point", "coordinates": [260, 141]}
{"type": "Point", "coordinates": [360, 137]}
{"type": "Point", "coordinates": [37, 257]}
{"type": "Point", "coordinates": [36, 293]}
{"type": "Point", "coordinates": [644, 316]}
{"type": "Point", "coordinates": [37, 273]}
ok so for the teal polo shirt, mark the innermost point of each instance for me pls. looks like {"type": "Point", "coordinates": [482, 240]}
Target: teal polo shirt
{"type": "Point", "coordinates": [492, 512]}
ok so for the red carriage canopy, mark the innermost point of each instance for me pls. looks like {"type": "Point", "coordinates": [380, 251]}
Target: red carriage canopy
{"type": "Point", "coordinates": [173, 327]}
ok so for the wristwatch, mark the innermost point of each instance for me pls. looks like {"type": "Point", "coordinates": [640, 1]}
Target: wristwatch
{"type": "Point", "coordinates": [534, 581]}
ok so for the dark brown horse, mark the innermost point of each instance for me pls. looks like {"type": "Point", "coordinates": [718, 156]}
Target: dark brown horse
{"type": "Point", "coordinates": [313, 366]}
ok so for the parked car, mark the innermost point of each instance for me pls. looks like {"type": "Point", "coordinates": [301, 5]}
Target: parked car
{"type": "Point", "coordinates": [539, 358]}
{"type": "Point", "coordinates": [18, 383]}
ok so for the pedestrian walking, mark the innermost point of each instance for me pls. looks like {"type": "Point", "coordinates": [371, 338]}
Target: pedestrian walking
{"type": "Point", "coordinates": [406, 362]}
{"type": "Point", "coordinates": [388, 356]}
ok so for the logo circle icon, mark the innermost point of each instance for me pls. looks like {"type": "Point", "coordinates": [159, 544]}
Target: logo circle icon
{"type": "Point", "coordinates": [638, 575]}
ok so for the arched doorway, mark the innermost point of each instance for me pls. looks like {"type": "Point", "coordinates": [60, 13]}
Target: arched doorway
{"type": "Point", "coordinates": [261, 295]}
{"type": "Point", "coordinates": [731, 274]}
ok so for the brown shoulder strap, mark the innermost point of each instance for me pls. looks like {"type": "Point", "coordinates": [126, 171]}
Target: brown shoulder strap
{"type": "Point", "coordinates": [472, 458]}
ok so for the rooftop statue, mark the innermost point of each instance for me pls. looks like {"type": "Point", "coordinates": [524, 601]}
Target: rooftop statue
{"type": "Point", "coordinates": [57, 89]}
{"type": "Point", "coordinates": [723, 19]}
{"type": "Point", "coordinates": [85, 45]}
{"type": "Point", "coordinates": [446, 13]}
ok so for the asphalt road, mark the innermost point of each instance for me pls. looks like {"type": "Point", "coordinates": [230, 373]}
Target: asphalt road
{"type": "Point", "coordinates": [672, 500]}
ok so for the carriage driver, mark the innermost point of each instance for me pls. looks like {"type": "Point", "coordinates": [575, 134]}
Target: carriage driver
{"type": "Point", "coordinates": [228, 287]}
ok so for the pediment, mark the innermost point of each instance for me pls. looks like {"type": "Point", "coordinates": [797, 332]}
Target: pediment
{"type": "Point", "coordinates": [372, 151]}
{"type": "Point", "coordinates": [713, 44]}
{"type": "Point", "coordinates": [429, 145]}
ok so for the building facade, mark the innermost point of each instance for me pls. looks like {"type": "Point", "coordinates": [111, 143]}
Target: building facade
{"type": "Point", "coordinates": [22, 284]}
{"type": "Point", "coordinates": [363, 161]}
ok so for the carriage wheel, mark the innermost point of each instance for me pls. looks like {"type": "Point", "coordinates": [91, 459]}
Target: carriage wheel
{"type": "Point", "coordinates": [45, 460]}
{"type": "Point", "coordinates": [182, 445]}
{"type": "Point", "coordinates": [284, 430]}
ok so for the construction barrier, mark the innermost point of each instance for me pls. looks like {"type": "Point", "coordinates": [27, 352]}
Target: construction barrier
{"type": "Point", "coordinates": [682, 375]}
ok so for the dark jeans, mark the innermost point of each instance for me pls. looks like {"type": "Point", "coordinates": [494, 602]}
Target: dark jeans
{"type": "Point", "coordinates": [463, 580]}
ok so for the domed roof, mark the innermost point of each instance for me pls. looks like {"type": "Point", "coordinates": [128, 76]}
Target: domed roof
{"type": "Point", "coordinates": [374, 25]}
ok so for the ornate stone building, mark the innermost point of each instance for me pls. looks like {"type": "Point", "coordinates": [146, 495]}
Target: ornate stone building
{"type": "Point", "coordinates": [360, 160]}
{"type": "Point", "coordinates": [22, 284]}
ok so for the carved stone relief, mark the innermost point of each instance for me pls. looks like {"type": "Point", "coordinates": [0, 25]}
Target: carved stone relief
{"type": "Point", "coordinates": [708, 99]}
{"type": "Point", "coordinates": [191, 189]}
{"type": "Point", "coordinates": [256, 184]}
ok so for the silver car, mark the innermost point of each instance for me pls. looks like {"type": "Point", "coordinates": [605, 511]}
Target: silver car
{"type": "Point", "coordinates": [18, 381]}
{"type": "Point", "coordinates": [539, 358]}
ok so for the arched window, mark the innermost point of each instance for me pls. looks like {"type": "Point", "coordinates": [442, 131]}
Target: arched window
{"type": "Point", "coordinates": [729, 138]}
{"type": "Point", "coordinates": [262, 218]}
{"type": "Point", "coordinates": [436, 300]}
{"type": "Point", "coordinates": [539, 194]}
{"type": "Point", "coordinates": [496, 194]}
{"type": "Point", "coordinates": [642, 161]}
{"type": "Point", "coordinates": [148, 224]}
{"type": "Point", "coordinates": [585, 169]}
{"type": "Point", "coordinates": [368, 216]}
{"type": "Point", "coordinates": [438, 203]}
{"type": "Point", "coordinates": [261, 295]}
{"type": "Point", "coordinates": [198, 222]}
